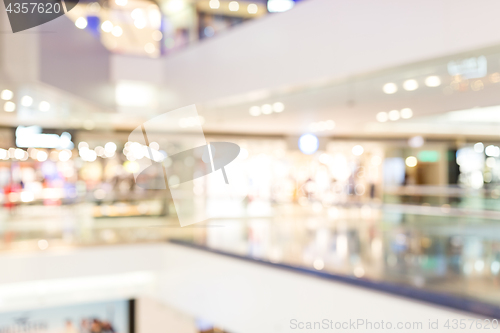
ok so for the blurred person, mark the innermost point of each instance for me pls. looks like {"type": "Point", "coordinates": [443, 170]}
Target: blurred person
{"type": "Point", "coordinates": [9, 203]}
{"type": "Point", "coordinates": [96, 326]}
{"type": "Point", "coordinates": [70, 328]}
{"type": "Point", "coordinates": [107, 327]}
{"type": "Point", "coordinates": [85, 326]}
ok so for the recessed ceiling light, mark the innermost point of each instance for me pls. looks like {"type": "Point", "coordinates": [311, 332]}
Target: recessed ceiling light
{"type": "Point", "coordinates": [410, 85]}
{"type": "Point", "coordinates": [358, 150]}
{"type": "Point", "coordinates": [252, 8]}
{"type": "Point", "coordinates": [255, 111]}
{"type": "Point", "coordinates": [278, 107]}
{"type": "Point", "coordinates": [234, 6]}
{"type": "Point", "coordinates": [390, 88]}
{"type": "Point", "coordinates": [107, 26]}
{"type": "Point", "coordinates": [6, 95]}
{"type": "Point", "coordinates": [394, 115]}
{"type": "Point", "coordinates": [382, 117]}
{"type": "Point", "coordinates": [406, 113]}
{"type": "Point", "coordinates": [117, 31]}
{"type": "Point", "coordinates": [277, 6]}
{"type": "Point", "coordinates": [26, 101]}
{"type": "Point", "coordinates": [81, 23]}
{"type": "Point", "coordinates": [266, 109]}
{"type": "Point", "coordinates": [9, 106]}
{"type": "Point", "coordinates": [44, 106]}
{"type": "Point", "coordinates": [214, 4]}
{"type": "Point", "coordinates": [433, 81]}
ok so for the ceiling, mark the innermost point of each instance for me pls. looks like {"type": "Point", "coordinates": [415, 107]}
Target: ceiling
{"type": "Point", "coordinates": [353, 104]}
{"type": "Point", "coordinates": [349, 93]}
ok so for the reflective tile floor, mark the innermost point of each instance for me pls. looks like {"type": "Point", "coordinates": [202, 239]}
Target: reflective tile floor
{"type": "Point", "coordinates": [446, 253]}
{"type": "Point", "coordinates": [455, 255]}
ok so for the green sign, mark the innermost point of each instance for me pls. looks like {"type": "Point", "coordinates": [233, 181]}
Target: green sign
{"type": "Point", "coordinates": [428, 156]}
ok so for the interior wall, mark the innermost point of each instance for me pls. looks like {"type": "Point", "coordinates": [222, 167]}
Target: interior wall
{"type": "Point", "coordinates": [154, 317]}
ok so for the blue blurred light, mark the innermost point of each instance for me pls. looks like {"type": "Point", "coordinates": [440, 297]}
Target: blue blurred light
{"type": "Point", "coordinates": [308, 143]}
{"type": "Point", "coordinates": [209, 31]}
{"type": "Point", "coordinates": [93, 24]}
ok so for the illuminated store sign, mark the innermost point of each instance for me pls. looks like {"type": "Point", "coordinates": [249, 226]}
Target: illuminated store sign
{"type": "Point", "coordinates": [277, 6]}
{"type": "Point", "coordinates": [25, 325]}
{"type": "Point", "coordinates": [471, 68]}
{"type": "Point", "coordinates": [32, 136]}
{"type": "Point", "coordinates": [110, 316]}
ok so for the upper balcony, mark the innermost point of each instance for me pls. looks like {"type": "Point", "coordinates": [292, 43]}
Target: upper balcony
{"type": "Point", "coordinates": [261, 62]}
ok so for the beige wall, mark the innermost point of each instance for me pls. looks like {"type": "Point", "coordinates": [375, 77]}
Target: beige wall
{"type": "Point", "coordinates": [154, 317]}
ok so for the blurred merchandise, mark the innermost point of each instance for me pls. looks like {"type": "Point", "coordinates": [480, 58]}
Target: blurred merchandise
{"type": "Point", "coordinates": [104, 317]}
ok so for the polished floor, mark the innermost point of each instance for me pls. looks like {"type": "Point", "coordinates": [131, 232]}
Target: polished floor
{"type": "Point", "coordinates": [449, 252]}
